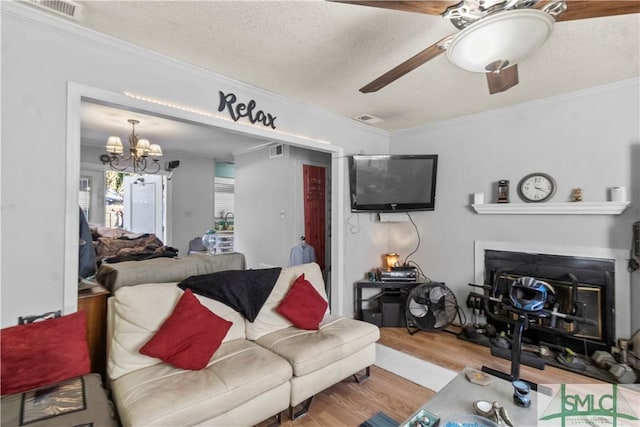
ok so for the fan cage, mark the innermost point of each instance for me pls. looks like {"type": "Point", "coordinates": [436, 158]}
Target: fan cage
{"type": "Point", "coordinates": [431, 307]}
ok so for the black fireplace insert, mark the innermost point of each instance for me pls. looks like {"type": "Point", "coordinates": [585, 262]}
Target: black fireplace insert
{"type": "Point", "coordinates": [583, 286]}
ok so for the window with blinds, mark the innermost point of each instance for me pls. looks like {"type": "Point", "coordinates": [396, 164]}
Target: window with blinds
{"type": "Point", "coordinates": [223, 189]}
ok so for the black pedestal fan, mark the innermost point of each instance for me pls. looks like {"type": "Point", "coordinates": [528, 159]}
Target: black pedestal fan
{"type": "Point", "coordinates": [430, 307]}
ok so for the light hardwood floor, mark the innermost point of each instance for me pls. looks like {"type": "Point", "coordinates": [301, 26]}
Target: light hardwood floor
{"type": "Point", "coordinates": [446, 350]}
{"type": "Point", "coordinates": [349, 404]}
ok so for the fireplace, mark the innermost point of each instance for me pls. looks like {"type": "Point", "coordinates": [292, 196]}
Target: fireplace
{"type": "Point", "coordinates": [600, 294]}
{"type": "Point", "coordinates": [582, 286]}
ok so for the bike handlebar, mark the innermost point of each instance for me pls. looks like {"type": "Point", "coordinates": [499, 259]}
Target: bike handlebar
{"type": "Point", "coordinates": [539, 313]}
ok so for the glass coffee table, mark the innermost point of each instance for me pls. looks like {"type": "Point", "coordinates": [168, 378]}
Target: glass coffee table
{"type": "Point", "coordinates": [454, 402]}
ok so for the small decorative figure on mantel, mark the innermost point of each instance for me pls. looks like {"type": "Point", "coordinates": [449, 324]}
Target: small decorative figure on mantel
{"type": "Point", "coordinates": [503, 191]}
{"type": "Point", "coordinates": [576, 195]}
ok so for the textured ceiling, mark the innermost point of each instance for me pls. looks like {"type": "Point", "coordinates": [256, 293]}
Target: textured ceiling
{"type": "Point", "coordinates": [321, 53]}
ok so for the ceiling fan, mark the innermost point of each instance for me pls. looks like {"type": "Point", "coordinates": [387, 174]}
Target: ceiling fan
{"type": "Point", "coordinates": [495, 35]}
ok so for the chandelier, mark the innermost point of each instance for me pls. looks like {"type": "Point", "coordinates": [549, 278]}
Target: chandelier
{"type": "Point", "coordinates": [140, 152]}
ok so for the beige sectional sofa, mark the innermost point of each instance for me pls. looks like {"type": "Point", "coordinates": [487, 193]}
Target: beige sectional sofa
{"type": "Point", "coordinates": [261, 369]}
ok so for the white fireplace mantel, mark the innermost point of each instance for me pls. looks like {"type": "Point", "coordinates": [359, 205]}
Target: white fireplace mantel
{"type": "Point", "coordinates": [622, 277]}
{"type": "Point", "coordinates": [568, 208]}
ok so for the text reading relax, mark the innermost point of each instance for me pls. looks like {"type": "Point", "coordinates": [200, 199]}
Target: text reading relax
{"type": "Point", "coordinates": [236, 111]}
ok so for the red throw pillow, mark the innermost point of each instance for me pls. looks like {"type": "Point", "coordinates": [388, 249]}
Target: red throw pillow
{"type": "Point", "coordinates": [43, 353]}
{"type": "Point", "coordinates": [189, 336]}
{"type": "Point", "coordinates": [303, 305]}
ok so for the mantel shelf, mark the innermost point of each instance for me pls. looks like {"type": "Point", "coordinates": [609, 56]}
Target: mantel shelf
{"type": "Point", "coordinates": [568, 208]}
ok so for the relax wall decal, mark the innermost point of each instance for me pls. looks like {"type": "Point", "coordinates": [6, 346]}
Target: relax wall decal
{"type": "Point", "coordinates": [236, 111]}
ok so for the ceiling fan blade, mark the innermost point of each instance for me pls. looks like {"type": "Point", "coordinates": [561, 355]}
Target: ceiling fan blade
{"type": "Point", "coordinates": [408, 65]}
{"type": "Point", "coordinates": [505, 79]}
{"type": "Point", "coordinates": [583, 9]}
{"type": "Point", "coordinates": [432, 7]}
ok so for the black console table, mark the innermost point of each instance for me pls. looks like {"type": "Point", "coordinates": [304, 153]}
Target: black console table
{"type": "Point", "coordinates": [390, 300]}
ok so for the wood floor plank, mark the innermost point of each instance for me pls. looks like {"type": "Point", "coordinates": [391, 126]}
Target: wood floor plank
{"type": "Point", "coordinates": [445, 349]}
{"type": "Point", "coordinates": [348, 403]}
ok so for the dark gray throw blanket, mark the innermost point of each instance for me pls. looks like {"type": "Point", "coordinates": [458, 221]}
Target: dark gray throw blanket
{"type": "Point", "coordinates": [245, 291]}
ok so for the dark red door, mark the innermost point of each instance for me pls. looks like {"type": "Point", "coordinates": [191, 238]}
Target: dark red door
{"type": "Point", "coordinates": [314, 210]}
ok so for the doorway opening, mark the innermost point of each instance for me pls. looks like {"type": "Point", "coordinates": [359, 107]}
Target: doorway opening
{"type": "Point", "coordinates": [79, 94]}
{"type": "Point", "coordinates": [132, 202]}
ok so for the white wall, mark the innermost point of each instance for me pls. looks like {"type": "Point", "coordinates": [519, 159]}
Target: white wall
{"type": "Point", "coordinates": [265, 214]}
{"type": "Point", "coordinates": [269, 214]}
{"type": "Point", "coordinates": [190, 199]}
{"type": "Point", "coordinates": [40, 56]}
{"type": "Point", "coordinates": [588, 139]}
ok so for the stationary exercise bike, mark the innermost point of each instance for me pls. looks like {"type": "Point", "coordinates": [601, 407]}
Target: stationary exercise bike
{"type": "Point", "coordinates": [525, 298]}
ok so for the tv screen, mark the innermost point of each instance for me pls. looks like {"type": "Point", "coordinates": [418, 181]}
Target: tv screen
{"type": "Point", "coordinates": [393, 183]}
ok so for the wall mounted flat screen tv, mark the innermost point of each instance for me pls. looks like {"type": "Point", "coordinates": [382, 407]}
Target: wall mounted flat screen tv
{"type": "Point", "coordinates": [393, 183]}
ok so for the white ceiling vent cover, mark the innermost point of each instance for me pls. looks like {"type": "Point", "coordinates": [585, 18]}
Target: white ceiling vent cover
{"type": "Point", "coordinates": [368, 118]}
{"type": "Point", "coordinates": [66, 8]}
{"type": "Point", "coordinates": [276, 151]}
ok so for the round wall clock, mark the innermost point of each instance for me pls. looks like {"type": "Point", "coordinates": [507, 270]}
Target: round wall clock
{"type": "Point", "coordinates": [536, 187]}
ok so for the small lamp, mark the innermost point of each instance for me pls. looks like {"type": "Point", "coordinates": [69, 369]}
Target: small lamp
{"type": "Point", "coordinates": [392, 260]}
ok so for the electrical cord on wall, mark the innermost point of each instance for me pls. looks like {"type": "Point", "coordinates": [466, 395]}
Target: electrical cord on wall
{"type": "Point", "coordinates": [406, 260]}
{"type": "Point", "coordinates": [426, 278]}
{"type": "Point", "coordinates": [353, 229]}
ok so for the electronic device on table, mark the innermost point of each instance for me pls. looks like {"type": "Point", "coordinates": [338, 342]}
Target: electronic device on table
{"type": "Point", "coordinates": [398, 274]}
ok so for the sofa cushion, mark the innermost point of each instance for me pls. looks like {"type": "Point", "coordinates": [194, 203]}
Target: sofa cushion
{"type": "Point", "coordinates": [268, 319]}
{"type": "Point", "coordinates": [308, 351]}
{"type": "Point", "coordinates": [189, 336]}
{"type": "Point", "coordinates": [161, 395]}
{"type": "Point", "coordinates": [303, 305]}
{"type": "Point", "coordinates": [45, 352]}
{"type": "Point", "coordinates": [137, 312]}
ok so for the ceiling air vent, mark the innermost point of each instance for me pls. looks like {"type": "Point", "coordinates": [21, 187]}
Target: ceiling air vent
{"type": "Point", "coordinates": [276, 150]}
{"type": "Point", "coordinates": [66, 8]}
{"type": "Point", "coordinates": [368, 118]}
